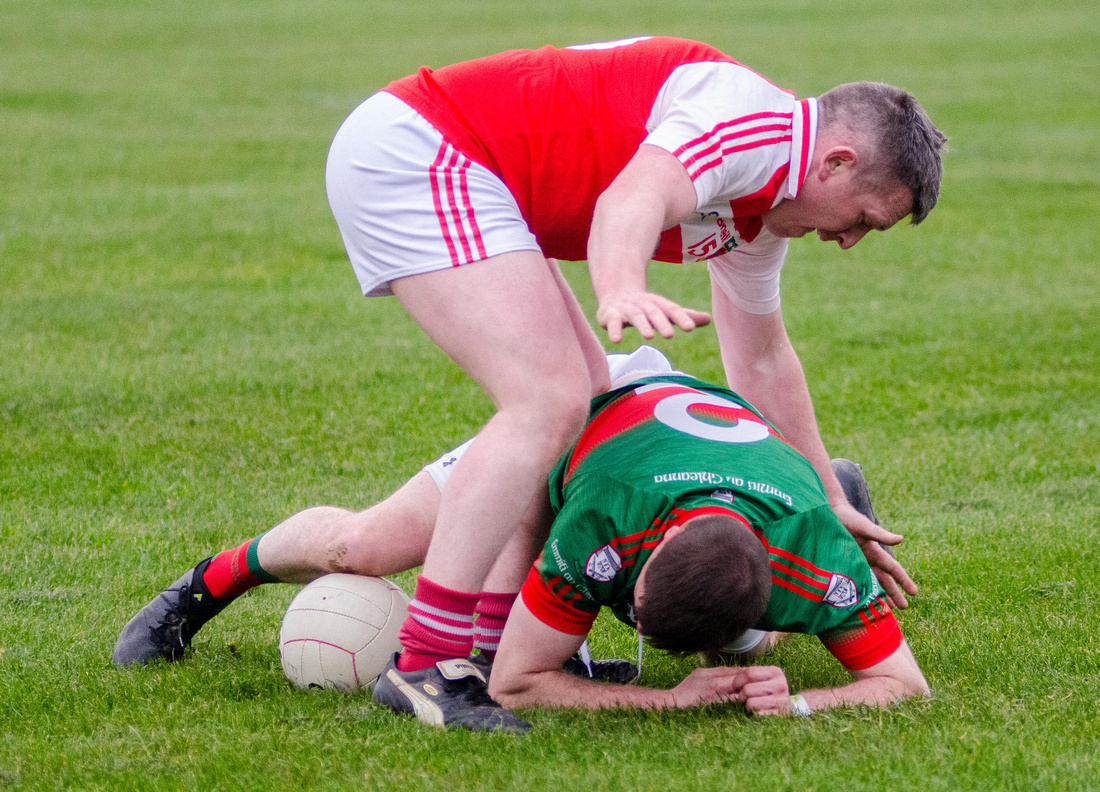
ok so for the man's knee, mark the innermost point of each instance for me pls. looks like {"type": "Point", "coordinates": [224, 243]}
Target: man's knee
{"type": "Point", "coordinates": [561, 410]}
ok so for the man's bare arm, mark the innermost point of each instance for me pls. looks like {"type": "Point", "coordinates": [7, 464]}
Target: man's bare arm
{"type": "Point", "coordinates": [895, 678]}
{"type": "Point", "coordinates": [527, 673]}
{"type": "Point", "coordinates": [653, 192]}
{"type": "Point", "coordinates": [762, 366]}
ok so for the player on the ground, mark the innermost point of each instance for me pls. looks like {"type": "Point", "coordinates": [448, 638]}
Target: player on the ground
{"type": "Point", "coordinates": [325, 539]}
{"type": "Point", "coordinates": [677, 484]}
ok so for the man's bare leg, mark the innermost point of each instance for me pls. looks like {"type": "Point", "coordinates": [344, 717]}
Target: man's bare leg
{"type": "Point", "coordinates": [390, 537]}
{"type": "Point", "coordinates": [506, 322]}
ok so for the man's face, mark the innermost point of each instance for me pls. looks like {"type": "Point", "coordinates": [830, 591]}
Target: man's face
{"type": "Point", "coordinates": [839, 206]}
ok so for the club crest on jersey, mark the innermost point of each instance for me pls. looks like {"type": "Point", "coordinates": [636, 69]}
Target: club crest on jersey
{"type": "Point", "coordinates": [603, 564]}
{"type": "Point", "coordinates": [841, 592]}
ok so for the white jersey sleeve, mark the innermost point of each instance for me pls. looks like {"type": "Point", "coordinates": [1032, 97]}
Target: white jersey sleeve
{"type": "Point", "coordinates": [749, 275]}
{"type": "Point", "coordinates": [728, 126]}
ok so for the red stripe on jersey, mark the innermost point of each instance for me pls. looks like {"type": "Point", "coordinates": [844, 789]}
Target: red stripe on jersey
{"type": "Point", "coordinates": [714, 163]}
{"type": "Point", "coordinates": [437, 200]}
{"type": "Point", "coordinates": [706, 136]}
{"type": "Point", "coordinates": [678, 517]}
{"type": "Point", "coordinates": [649, 542]}
{"type": "Point", "coordinates": [628, 546]}
{"type": "Point", "coordinates": [748, 210]}
{"type": "Point", "coordinates": [801, 562]}
{"type": "Point", "coordinates": [630, 557]}
{"type": "Point", "coordinates": [721, 144]}
{"type": "Point", "coordinates": [817, 584]}
{"type": "Point", "coordinates": [552, 611]}
{"type": "Point", "coordinates": [797, 589]}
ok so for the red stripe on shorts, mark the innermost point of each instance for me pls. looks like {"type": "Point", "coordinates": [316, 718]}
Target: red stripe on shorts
{"type": "Point", "coordinates": [468, 204]}
{"type": "Point", "coordinates": [437, 199]}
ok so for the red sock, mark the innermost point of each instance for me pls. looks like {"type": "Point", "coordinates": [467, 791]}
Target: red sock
{"type": "Point", "coordinates": [489, 617]}
{"type": "Point", "coordinates": [440, 626]}
{"type": "Point", "coordinates": [233, 572]}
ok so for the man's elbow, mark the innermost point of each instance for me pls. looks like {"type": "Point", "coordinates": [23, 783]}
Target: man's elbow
{"type": "Point", "coordinates": [510, 690]}
{"type": "Point", "coordinates": [910, 686]}
{"type": "Point", "coordinates": [919, 688]}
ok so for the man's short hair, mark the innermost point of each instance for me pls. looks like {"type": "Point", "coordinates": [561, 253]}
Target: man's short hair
{"type": "Point", "coordinates": [706, 587]}
{"type": "Point", "coordinates": [905, 143]}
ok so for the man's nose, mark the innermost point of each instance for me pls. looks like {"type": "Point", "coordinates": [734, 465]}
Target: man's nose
{"type": "Point", "coordinates": [847, 239]}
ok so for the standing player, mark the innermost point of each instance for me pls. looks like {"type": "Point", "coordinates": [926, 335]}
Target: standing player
{"type": "Point", "coordinates": [451, 188]}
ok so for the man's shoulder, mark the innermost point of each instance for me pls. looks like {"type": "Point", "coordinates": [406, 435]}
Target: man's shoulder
{"type": "Point", "coordinates": [820, 577]}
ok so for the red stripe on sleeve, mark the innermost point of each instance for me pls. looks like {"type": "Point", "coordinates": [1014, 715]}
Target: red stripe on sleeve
{"type": "Point", "coordinates": [551, 611]}
{"type": "Point", "coordinates": [787, 570]}
{"type": "Point", "coordinates": [714, 162]}
{"type": "Point", "coordinates": [797, 589]}
{"type": "Point", "coordinates": [799, 561]}
{"type": "Point", "coordinates": [746, 119]}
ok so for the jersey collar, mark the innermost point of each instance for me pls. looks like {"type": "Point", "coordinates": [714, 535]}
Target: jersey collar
{"type": "Point", "coordinates": [803, 138]}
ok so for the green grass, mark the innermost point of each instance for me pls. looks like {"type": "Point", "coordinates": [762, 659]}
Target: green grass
{"type": "Point", "coordinates": [184, 361]}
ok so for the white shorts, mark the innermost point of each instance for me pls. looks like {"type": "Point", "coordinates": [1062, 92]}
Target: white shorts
{"type": "Point", "coordinates": [645, 361]}
{"type": "Point", "coordinates": [408, 202]}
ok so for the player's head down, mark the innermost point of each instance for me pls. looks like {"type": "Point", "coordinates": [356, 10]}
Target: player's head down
{"type": "Point", "coordinates": [707, 585]}
{"type": "Point", "coordinates": [903, 143]}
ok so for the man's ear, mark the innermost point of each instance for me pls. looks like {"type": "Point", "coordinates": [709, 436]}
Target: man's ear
{"type": "Point", "coordinates": [837, 160]}
{"type": "Point", "coordinates": [675, 530]}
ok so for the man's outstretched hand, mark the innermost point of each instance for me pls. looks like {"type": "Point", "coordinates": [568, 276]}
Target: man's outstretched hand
{"type": "Point", "coordinates": [893, 578]}
{"type": "Point", "coordinates": [648, 313]}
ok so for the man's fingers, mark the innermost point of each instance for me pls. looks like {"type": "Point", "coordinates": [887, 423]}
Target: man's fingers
{"type": "Point", "coordinates": [883, 562]}
{"type": "Point", "coordinates": [614, 330]}
{"type": "Point", "coordinates": [699, 318]}
{"type": "Point", "coordinates": [877, 533]}
{"type": "Point", "coordinates": [772, 704]}
{"type": "Point", "coordinates": [658, 317]}
{"type": "Point", "coordinates": [649, 314]}
{"type": "Point", "coordinates": [891, 589]}
{"type": "Point", "coordinates": [863, 529]}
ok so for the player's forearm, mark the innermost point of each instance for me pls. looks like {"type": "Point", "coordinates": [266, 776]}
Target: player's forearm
{"type": "Point", "coordinates": [560, 690]}
{"type": "Point", "coordinates": [877, 692]}
{"type": "Point", "coordinates": [896, 678]}
{"type": "Point", "coordinates": [775, 384]}
{"type": "Point", "coordinates": [625, 230]}
{"type": "Point", "coordinates": [653, 192]}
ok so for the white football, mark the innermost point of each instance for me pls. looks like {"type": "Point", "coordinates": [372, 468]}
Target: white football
{"type": "Point", "coordinates": [340, 631]}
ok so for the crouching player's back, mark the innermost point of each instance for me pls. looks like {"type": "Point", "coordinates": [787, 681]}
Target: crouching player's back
{"type": "Point", "coordinates": [687, 514]}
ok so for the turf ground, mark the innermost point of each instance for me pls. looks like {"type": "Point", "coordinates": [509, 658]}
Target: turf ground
{"type": "Point", "coordinates": [184, 361]}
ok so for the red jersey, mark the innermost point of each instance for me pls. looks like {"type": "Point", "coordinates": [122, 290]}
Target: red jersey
{"type": "Point", "coordinates": [557, 126]}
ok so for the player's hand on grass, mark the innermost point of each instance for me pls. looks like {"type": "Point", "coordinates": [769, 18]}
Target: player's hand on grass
{"type": "Point", "coordinates": [893, 578]}
{"type": "Point", "coordinates": [648, 313]}
{"type": "Point", "coordinates": [763, 690]}
{"type": "Point", "coordinates": [706, 686]}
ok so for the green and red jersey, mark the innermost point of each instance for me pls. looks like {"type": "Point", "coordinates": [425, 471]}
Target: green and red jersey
{"type": "Point", "coordinates": [666, 449]}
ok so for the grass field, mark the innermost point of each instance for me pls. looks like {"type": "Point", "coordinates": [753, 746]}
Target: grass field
{"type": "Point", "coordinates": [185, 360]}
